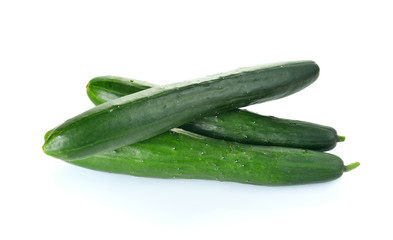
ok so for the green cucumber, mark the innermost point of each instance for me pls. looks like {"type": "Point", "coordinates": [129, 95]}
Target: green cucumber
{"type": "Point", "coordinates": [235, 125]}
{"type": "Point", "coordinates": [106, 88]}
{"type": "Point", "coordinates": [180, 154]}
{"type": "Point", "coordinates": [145, 114]}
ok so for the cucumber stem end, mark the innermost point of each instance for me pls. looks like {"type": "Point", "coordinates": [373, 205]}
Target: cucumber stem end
{"type": "Point", "coordinates": [351, 166]}
{"type": "Point", "coordinates": [340, 138]}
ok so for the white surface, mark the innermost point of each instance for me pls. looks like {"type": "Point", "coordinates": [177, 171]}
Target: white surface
{"type": "Point", "coordinates": [49, 51]}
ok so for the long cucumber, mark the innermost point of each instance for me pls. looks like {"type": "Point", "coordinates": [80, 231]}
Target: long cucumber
{"type": "Point", "coordinates": [148, 113]}
{"type": "Point", "coordinates": [236, 125]}
{"type": "Point", "coordinates": [180, 154]}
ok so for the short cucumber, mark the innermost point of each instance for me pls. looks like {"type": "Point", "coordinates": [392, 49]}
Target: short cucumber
{"type": "Point", "coordinates": [140, 116]}
{"type": "Point", "coordinates": [180, 154]}
{"type": "Point", "coordinates": [235, 125]}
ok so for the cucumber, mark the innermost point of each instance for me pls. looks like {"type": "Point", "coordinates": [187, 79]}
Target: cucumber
{"type": "Point", "coordinates": [235, 125]}
{"type": "Point", "coordinates": [145, 114]}
{"type": "Point", "coordinates": [106, 88]}
{"type": "Point", "coordinates": [181, 154]}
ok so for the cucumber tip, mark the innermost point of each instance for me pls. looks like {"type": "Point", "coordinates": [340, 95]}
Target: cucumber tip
{"type": "Point", "coordinates": [351, 166]}
{"type": "Point", "coordinates": [340, 138]}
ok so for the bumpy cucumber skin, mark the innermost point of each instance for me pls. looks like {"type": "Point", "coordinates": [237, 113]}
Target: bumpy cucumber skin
{"type": "Point", "coordinates": [145, 114]}
{"type": "Point", "coordinates": [179, 154]}
{"type": "Point", "coordinates": [251, 128]}
{"type": "Point", "coordinates": [235, 125]}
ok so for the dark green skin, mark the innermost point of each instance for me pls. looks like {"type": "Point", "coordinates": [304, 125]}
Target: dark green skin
{"type": "Point", "coordinates": [251, 128]}
{"type": "Point", "coordinates": [106, 88]}
{"type": "Point", "coordinates": [180, 154]}
{"type": "Point", "coordinates": [145, 114]}
{"type": "Point", "coordinates": [235, 125]}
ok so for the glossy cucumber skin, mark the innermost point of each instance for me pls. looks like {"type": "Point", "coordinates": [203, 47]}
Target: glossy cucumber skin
{"type": "Point", "coordinates": [145, 114]}
{"type": "Point", "coordinates": [251, 128]}
{"type": "Point", "coordinates": [106, 88]}
{"type": "Point", "coordinates": [180, 154]}
{"type": "Point", "coordinates": [235, 125]}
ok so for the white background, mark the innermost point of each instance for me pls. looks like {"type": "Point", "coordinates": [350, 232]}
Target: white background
{"type": "Point", "coordinates": [50, 49]}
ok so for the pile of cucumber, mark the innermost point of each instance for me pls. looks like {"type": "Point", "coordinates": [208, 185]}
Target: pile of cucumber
{"type": "Point", "coordinates": [195, 130]}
